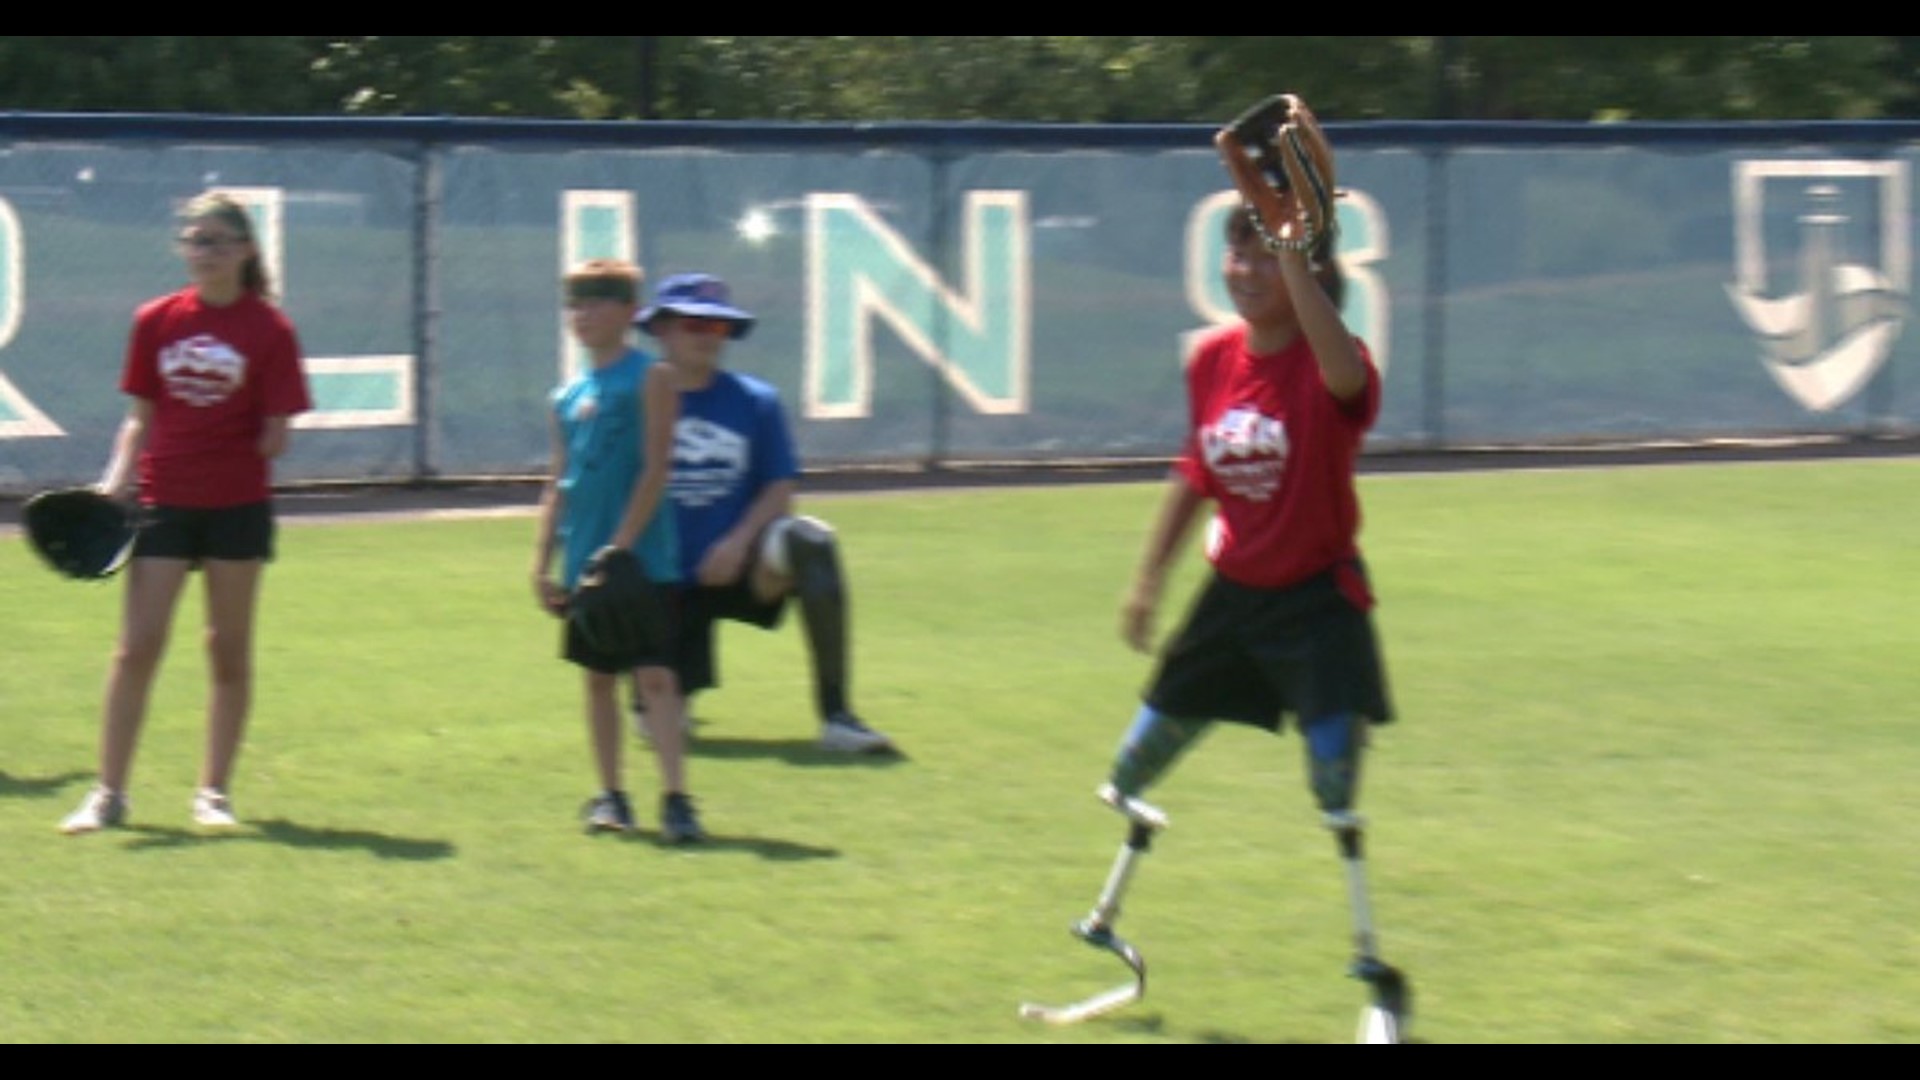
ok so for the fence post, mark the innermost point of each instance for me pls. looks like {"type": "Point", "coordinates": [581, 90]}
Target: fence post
{"type": "Point", "coordinates": [426, 315]}
{"type": "Point", "coordinates": [1433, 382]}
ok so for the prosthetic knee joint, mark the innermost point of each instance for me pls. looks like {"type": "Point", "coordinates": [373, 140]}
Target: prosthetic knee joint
{"type": "Point", "coordinates": [805, 550]}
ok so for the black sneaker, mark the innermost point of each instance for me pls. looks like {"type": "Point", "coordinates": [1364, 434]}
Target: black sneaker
{"type": "Point", "coordinates": [678, 822]}
{"type": "Point", "coordinates": [609, 812]}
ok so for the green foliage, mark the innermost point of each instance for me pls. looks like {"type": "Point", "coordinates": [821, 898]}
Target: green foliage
{"type": "Point", "coordinates": [1063, 79]}
{"type": "Point", "coordinates": [1651, 784]}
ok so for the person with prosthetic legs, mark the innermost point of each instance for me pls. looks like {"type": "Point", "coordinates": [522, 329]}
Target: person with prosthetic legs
{"type": "Point", "coordinates": [1278, 405]}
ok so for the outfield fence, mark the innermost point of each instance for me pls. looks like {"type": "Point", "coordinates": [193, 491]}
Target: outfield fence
{"type": "Point", "coordinates": [946, 294]}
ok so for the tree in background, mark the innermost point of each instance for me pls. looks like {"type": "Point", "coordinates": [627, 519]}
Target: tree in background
{"type": "Point", "coordinates": [1054, 79]}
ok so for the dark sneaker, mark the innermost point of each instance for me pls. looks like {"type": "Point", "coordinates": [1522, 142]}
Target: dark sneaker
{"type": "Point", "coordinates": [844, 733]}
{"type": "Point", "coordinates": [609, 812]}
{"type": "Point", "coordinates": [678, 822]}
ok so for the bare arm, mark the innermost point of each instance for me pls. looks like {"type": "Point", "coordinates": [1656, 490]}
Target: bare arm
{"type": "Point", "coordinates": [1341, 368]}
{"type": "Point", "coordinates": [546, 590]}
{"type": "Point", "coordinates": [127, 444]}
{"type": "Point", "coordinates": [1179, 508]}
{"type": "Point", "coordinates": [659, 411]}
{"type": "Point", "coordinates": [724, 561]}
{"type": "Point", "coordinates": [274, 435]}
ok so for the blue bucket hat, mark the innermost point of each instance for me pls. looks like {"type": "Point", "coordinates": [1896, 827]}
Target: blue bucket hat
{"type": "Point", "coordinates": [699, 295]}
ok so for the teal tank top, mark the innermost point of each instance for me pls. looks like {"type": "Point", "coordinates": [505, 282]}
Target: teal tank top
{"type": "Point", "coordinates": [604, 432]}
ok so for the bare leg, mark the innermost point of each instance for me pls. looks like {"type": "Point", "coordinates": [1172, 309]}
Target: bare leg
{"type": "Point", "coordinates": [153, 590]}
{"type": "Point", "coordinates": [659, 694]}
{"type": "Point", "coordinates": [233, 587]}
{"type": "Point", "coordinates": [603, 729]}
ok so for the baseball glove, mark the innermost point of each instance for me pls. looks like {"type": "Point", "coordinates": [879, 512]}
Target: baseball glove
{"type": "Point", "coordinates": [80, 532]}
{"type": "Point", "coordinates": [1282, 165]}
{"type": "Point", "coordinates": [614, 606]}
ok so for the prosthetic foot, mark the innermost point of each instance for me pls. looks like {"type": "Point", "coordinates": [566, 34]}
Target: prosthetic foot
{"type": "Point", "coordinates": [1385, 1017]}
{"type": "Point", "coordinates": [1143, 820]}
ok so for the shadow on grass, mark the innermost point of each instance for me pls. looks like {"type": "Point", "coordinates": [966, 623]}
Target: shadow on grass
{"type": "Point", "coordinates": [36, 787]}
{"type": "Point", "coordinates": [771, 850]}
{"type": "Point", "coordinates": [1228, 1038]}
{"type": "Point", "coordinates": [277, 831]}
{"type": "Point", "coordinates": [803, 753]}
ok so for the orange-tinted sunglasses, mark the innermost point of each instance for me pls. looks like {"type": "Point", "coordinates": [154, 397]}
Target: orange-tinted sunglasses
{"type": "Point", "coordinates": [701, 324]}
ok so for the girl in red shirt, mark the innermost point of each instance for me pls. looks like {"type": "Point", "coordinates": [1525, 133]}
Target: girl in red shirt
{"type": "Point", "coordinates": [215, 377]}
{"type": "Point", "coordinates": [1278, 406]}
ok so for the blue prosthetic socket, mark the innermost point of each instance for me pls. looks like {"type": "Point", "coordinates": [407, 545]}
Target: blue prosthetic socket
{"type": "Point", "coordinates": [1150, 747]}
{"type": "Point", "coordinates": [1333, 743]}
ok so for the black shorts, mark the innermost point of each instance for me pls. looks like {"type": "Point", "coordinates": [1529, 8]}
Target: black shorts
{"type": "Point", "coordinates": [703, 606]}
{"type": "Point", "coordinates": [660, 612]}
{"type": "Point", "coordinates": [230, 533]}
{"type": "Point", "coordinates": [1254, 655]}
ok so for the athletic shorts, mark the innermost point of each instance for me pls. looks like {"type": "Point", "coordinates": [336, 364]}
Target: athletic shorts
{"type": "Point", "coordinates": [703, 606]}
{"type": "Point", "coordinates": [1254, 655]}
{"type": "Point", "coordinates": [230, 533]}
{"type": "Point", "coordinates": [661, 612]}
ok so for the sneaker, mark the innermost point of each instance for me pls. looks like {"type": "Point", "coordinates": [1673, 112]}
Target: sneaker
{"type": "Point", "coordinates": [678, 822]}
{"type": "Point", "coordinates": [609, 812]}
{"type": "Point", "coordinates": [213, 810]}
{"type": "Point", "coordinates": [101, 809]}
{"type": "Point", "coordinates": [844, 733]}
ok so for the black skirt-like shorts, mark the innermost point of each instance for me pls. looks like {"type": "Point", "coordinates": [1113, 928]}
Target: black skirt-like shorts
{"type": "Point", "coordinates": [1254, 655]}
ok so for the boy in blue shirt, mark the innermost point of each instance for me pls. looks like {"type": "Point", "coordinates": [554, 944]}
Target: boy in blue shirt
{"type": "Point", "coordinates": [743, 550]}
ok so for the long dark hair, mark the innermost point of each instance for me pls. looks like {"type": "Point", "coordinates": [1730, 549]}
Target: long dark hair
{"type": "Point", "coordinates": [228, 211]}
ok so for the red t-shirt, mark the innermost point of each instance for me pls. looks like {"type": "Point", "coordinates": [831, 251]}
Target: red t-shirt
{"type": "Point", "coordinates": [214, 375]}
{"type": "Point", "coordinates": [1276, 452]}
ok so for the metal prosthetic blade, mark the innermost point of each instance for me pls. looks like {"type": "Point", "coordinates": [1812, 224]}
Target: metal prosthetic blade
{"type": "Point", "coordinates": [1100, 937]}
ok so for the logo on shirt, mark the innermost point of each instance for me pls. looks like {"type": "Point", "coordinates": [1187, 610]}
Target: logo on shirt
{"type": "Point", "coordinates": [202, 370]}
{"type": "Point", "coordinates": [1246, 452]}
{"type": "Point", "coordinates": [709, 461]}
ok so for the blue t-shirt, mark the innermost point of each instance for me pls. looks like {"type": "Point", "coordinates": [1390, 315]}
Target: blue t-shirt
{"type": "Point", "coordinates": [730, 443]}
{"type": "Point", "coordinates": [604, 431]}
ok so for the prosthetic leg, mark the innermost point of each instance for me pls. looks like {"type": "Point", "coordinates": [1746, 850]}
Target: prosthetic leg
{"type": "Point", "coordinates": [1391, 1007]}
{"type": "Point", "coordinates": [1333, 762]}
{"type": "Point", "coordinates": [805, 548]}
{"type": "Point", "coordinates": [1143, 820]}
{"type": "Point", "coordinates": [1152, 744]}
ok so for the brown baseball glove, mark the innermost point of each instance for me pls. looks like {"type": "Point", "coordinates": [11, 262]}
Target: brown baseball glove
{"type": "Point", "coordinates": [1282, 165]}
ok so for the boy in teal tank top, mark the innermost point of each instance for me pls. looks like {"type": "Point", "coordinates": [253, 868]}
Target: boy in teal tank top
{"type": "Point", "coordinates": [612, 432]}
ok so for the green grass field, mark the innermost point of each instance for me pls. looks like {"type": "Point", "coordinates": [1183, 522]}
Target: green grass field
{"type": "Point", "coordinates": [1654, 781]}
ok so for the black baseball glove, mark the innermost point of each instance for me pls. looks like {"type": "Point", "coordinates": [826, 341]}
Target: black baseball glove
{"type": "Point", "coordinates": [615, 606]}
{"type": "Point", "coordinates": [80, 532]}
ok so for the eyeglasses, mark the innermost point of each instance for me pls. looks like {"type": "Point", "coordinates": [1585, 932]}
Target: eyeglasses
{"type": "Point", "coordinates": [214, 244]}
{"type": "Point", "coordinates": [701, 324]}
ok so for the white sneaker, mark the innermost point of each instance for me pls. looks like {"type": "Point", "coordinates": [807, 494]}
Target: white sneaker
{"type": "Point", "coordinates": [213, 810]}
{"type": "Point", "coordinates": [101, 809]}
{"type": "Point", "coordinates": [843, 733]}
